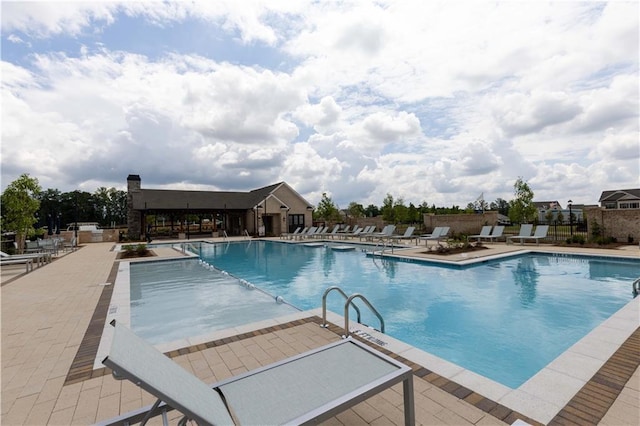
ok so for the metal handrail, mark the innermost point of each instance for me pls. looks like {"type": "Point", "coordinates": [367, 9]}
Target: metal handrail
{"type": "Point", "coordinates": [346, 312]}
{"type": "Point", "coordinates": [246, 233]}
{"type": "Point", "coordinates": [224, 234]}
{"type": "Point", "coordinates": [636, 287]}
{"type": "Point", "coordinates": [324, 304]}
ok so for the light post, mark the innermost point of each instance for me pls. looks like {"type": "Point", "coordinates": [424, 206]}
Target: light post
{"type": "Point", "coordinates": [187, 220]}
{"type": "Point", "coordinates": [570, 218]}
{"type": "Point", "coordinates": [256, 219]}
{"type": "Point", "coordinates": [284, 212]}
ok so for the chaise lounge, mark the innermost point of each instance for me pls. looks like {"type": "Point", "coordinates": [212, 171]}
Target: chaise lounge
{"type": "Point", "coordinates": [541, 233]}
{"type": "Point", "coordinates": [303, 389]}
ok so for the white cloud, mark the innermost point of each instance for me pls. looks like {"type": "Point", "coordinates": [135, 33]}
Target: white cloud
{"type": "Point", "coordinates": [427, 101]}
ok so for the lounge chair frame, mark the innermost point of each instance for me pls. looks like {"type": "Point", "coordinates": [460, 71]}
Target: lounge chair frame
{"type": "Point", "coordinates": [133, 359]}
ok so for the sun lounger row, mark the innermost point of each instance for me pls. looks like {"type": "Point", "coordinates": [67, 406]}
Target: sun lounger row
{"type": "Point", "coordinates": [525, 234]}
{"type": "Point", "coordinates": [29, 260]}
{"type": "Point", "coordinates": [490, 233]}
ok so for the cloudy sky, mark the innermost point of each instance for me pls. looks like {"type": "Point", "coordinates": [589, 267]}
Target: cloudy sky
{"type": "Point", "coordinates": [425, 100]}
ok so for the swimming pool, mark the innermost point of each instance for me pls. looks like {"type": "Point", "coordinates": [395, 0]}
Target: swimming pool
{"type": "Point", "coordinates": [518, 314]}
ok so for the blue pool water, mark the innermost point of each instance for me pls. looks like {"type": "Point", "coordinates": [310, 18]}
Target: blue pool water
{"type": "Point", "coordinates": [502, 319]}
{"type": "Point", "coordinates": [172, 300]}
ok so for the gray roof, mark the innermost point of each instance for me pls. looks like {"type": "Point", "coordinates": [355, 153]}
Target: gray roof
{"type": "Point", "coordinates": [620, 194]}
{"type": "Point", "coordinates": [170, 199]}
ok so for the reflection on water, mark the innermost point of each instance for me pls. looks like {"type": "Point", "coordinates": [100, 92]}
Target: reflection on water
{"type": "Point", "coordinates": [526, 277]}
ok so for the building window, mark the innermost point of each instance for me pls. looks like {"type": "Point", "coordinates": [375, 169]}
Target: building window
{"type": "Point", "coordinates": [630, 205]}
{"type": "Point", "coordinates": [295, 220]}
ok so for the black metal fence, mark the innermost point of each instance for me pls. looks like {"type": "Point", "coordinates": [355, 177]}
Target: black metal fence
{"type": "Point", "coordinates": [559, 231]}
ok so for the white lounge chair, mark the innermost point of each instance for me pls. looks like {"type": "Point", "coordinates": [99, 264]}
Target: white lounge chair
{"type": "Point", "coordinates": [25, 261]}
{"type": "Point", "coordinates": [368, 230]}
{"type": "Point", "coordinates": [304, 389]}
{"type": "Point", "coordinates": [386, 233]}
{"type": "Point", "coordinates": [439, 233]}
{"type": "Point", "coordinates": [408, 235]}
{"type": "Point", "coordinates": [495, 233]}
{"type": "Point", "coordinates": [304, 234]}
{"type": "Point", "coordinates": [333, 232]}
{"type": "Point", "coordinates": [541, 232]}
{"type": "Point", "coordinates": [484, 232]}
{"type": "Point", "coordinates": [321, 230]}
{"type": "Point", "coordinates": [525, 232]}
{"type": "Point", "coordinates": [289, 235]}
{"type": "Point", "coordinates": [38, 258]}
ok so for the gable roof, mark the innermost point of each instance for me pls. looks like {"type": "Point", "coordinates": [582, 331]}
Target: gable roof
{"type": "Point", "coordinates": [546, 204]}
{"type": "Point", "coordinates": [620, 194]}
{"type": "Point", "coordinates": [169, 199]}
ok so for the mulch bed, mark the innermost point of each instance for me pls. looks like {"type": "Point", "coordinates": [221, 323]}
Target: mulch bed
{"type": "Point", "coordinates": [125, 255]}
{"type": "Point", "coordinates": [446, 251]}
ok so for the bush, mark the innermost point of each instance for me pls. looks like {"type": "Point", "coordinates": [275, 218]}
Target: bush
{"type": "Point", "coordinates": [141, 249]}
{"type": "Point", "coordinates": [576, 239]}
{"type": "Point", "coordinates": [131, 250]}
{"type": "Point", "coordinates": [604, 240]}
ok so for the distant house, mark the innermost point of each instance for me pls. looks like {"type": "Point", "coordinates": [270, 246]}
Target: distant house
{"type": "Point", "coordinates": [620, 199]}
{"type": "Point", "coordinates": [544, 207]}
{"type": "Point", "coordinates": [270, 210]}
{"type": "Point", "coordinates": [547, 205]}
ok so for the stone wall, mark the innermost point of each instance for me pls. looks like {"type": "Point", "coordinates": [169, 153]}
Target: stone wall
{"type": "Point", "coordinates": [461, 223]}
{"type": "Point", "coordinates": [84, 237]}
{"type": "Point", "coordinates": [622, 225]}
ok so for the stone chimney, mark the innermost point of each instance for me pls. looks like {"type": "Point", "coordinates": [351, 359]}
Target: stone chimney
{"type": "Point", "coordinates": [134, 219]}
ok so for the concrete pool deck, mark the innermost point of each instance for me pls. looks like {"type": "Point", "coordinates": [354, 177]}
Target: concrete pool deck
{"type": "Point", "coordinates": [49, 320]}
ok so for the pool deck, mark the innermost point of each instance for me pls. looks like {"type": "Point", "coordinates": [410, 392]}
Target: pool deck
{"type": "Point", "coordinates": [52, 319]}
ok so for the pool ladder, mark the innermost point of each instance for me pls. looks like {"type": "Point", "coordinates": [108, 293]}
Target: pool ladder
{"type": "Point", "coordinates": [349, 302]}
{"type": "Point", "coordinates": [636, 287]}
{"type": "Point", "coordinates": [383, 244]}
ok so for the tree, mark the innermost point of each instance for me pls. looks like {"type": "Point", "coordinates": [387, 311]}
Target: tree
{"type": "Point", "coordinates": [355, 210]}
{"type": "Point", "coordinates": [400, 211]}
{"type": "Point", "coordinates": [387, 209]}
{"type": "Point", "coordinates": [372, 211]}
{"type": "Point", "coordinates": [501, 205]}
{"type": "Point", "coordinates": [549, 216]}
{"type": "Point", "coordinates": [521, 208]}
{"type": "Point", "coordinates": [49, 208]}
{"type": "Point", "coordinates": [19, 206]}
{"type": "Point", "coordinates": [414, 214]}
{"type": "Point", "coordinates": [326, 209]}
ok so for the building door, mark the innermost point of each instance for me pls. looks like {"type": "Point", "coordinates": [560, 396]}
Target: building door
{"type": "Point", "coordinates": [267, 221]}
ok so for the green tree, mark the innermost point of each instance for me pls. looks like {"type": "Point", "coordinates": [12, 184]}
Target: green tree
{"type": "Point", "coordinates": [521, 208]}
{"type": "Point", "coordinates": [388, 214]}
{"type": "Point", "coordinates": [400, 211]}
{"type": "Point", "coordinates": [548, 216]}
{"type": "Point", "coordinates": [326, 209]}
{"type": "Point", "coordinates": [49, 207]}
{"type": "Point", "coordinates": [356, 210]}
{"type": "Point", "coordinates": [110, 205]}
{"type": "Point", "coordinates": [502, 206]}
{"type": "Point", "coordinates": [413, 214]}
{"type": "Point", "coordinates": [19, 206]}
{"type": "Point", "coordinates": [372, 211]}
